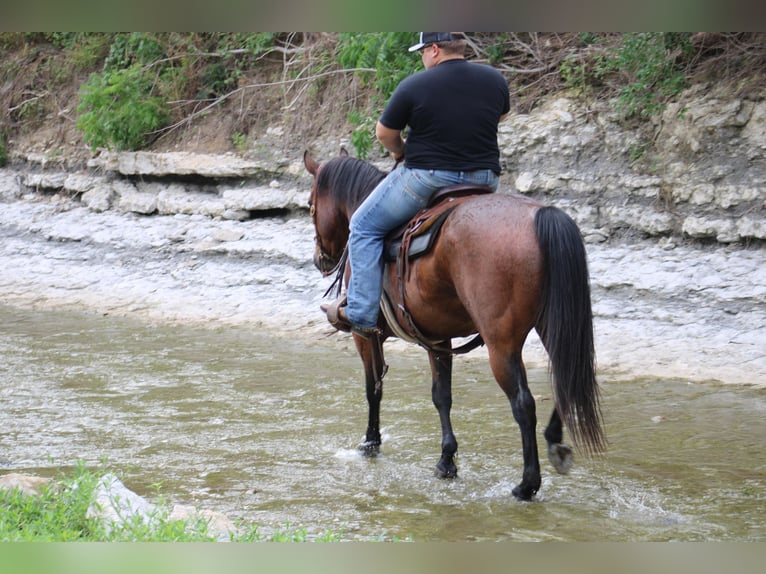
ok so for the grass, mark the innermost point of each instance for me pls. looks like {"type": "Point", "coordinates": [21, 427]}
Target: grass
{"type": "Point", "coordinates": [60, 514]}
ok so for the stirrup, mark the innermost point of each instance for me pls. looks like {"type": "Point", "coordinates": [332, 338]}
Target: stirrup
{"type": "Point", "coordinates": [334, 316]}
{"type": "Point", "coordinates": [338, 319]}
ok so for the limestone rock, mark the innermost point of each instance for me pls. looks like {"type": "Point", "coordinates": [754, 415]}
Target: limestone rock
{"type": "Point", "coordinates": [115, 505]}
{"type": "Point", "coordinates": [175, 200]}
{"type": "Point", "coordinates": [28, 485]}
{"type": "Point", "coordinates": [182, 163]}
{"type": "Point", "coordinates": [723, 230]}
{"type": "Point", "coordinates": [98, 199]}
{"type": "Point", "coordinates": [137, 202]}
{"type": "Point", "coordinates": [10, 185]}
{"type": "Point", "coordinates": [264, 198]}
{"type": "Point", "coordinates": [82, 183]}
{"type": "Point", "coordinates": [46, 180]}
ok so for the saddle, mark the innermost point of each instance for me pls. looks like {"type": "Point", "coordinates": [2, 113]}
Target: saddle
{"type": "Point", "coordinates": [417, 236]}
{"type": "Point", "coordinates": [414, 239]}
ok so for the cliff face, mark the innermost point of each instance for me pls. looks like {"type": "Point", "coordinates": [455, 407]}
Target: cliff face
{"type": "Point", "coordinates": [699, 170]}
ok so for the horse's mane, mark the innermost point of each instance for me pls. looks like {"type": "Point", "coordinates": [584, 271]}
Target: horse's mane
{"type": "Point", "coordinates": [348, 179]}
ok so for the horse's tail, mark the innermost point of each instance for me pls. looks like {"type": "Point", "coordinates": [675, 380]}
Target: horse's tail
{"type": "Point", "coordinates": [565, 326]}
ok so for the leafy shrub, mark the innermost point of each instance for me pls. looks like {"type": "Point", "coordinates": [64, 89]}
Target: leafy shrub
{"type": "Point", "coordinates": [582, 69]}
{"type": "Point", "coordinates": [117, 109]}
{"type": "Point", "coordinates": [88, 50]}
{"type": "Point", "coordinates": [387, 53]}
{"type": "Point", "coordinates": [133, 48]}
{"type": "Point", "coordinates": [59, 513]}
{"type": "Point", "coordinates": [652, 63]}
{"type": "Point", "coordinates": [121, 106]}
{"type": "Point", "coordinates": [363, 136]}
{"type": "Point", "coordinates": [581, 73]}
{"type": "Point", "coordinates": [384, 51]}
{"type": "Point", "coordinates": [239, 141]}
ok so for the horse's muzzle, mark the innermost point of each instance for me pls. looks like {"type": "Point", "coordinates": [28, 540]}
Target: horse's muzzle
{"type": "Point", "coordinates": [324, 263]}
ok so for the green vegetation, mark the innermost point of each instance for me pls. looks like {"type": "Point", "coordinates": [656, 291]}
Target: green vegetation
{"type": "Point", "coordinates": [363, 136]}
{"type": "Point", "coordinates": [124, 106]}
{"type": "Point", "coordinates": [3, 149]}
{"type": "Point", "coordinates": [651, 67]}
{"type": "Point", "coordinates": [126, 90]}
{"type": "Point", "coordinates": [239, 141]}
{"type": "Point", "coordinates": [118, 110]}
{"type": "Point", "coordinates": [654, 64]}
{"type": "Point", "coordinates": [386, 52]}
{"type": "Point", "coordinates": [60, 514]}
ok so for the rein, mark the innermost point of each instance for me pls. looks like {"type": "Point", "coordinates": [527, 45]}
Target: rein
{"type": "Point", "coordinates": [339, 270]}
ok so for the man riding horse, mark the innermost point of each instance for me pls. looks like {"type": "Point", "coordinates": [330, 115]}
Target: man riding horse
{"type": "Point", "coordinates": [452, 110]}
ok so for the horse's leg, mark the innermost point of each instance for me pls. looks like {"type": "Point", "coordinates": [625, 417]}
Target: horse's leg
{"type": "Point", "coordinates": [441, 393]}
{"type": "Point", "coordinates": [374, 389]}
{"type": "Point", "coordinates": [512, 378]}
{"type": "Point", "coordinates": [559, 454]}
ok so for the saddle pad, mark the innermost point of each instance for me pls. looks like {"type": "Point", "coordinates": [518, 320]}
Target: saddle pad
{"type": "Point", "coordinates": [421, 242]}
{"type": "Point", "coordinates": [424, 227]}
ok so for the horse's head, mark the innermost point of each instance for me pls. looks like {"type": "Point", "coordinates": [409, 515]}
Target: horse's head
{"type": "Point", "coordinates": [330, 220]}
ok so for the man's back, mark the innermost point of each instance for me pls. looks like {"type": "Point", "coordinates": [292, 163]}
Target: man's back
{"type": "Point", "coordinates": [452, 111]}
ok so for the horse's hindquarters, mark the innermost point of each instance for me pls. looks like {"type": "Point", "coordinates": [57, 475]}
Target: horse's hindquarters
{"type": "Point", "coordinates": [483, 275]}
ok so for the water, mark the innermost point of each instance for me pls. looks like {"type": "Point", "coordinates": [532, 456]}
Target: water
{"type": "Point", "coordinates": [265, 429]}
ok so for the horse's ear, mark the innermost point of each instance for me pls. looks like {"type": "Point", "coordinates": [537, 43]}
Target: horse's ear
{"type": "Point", "coordinates": [343, 151]}
{"type": "Point", "coordinates": [312, 166]}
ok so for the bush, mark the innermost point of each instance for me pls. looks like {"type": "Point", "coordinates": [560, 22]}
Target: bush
{"type": "Point", "coordinates": [135, 48]}
{"type": "Point", "coordinates": [384, 51]}
{"type": "Point", "coordinates": [652, 62]}
{"type": "Point", "coordinates": [387, 53]}
{"type": "Point", "coordinates": [59, 513]}
{"type": "Point", "coordinates": [117, 109]}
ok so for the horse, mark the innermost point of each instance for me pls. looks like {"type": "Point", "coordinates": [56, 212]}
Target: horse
{"type": "Point", "coordinates": [501, 265]}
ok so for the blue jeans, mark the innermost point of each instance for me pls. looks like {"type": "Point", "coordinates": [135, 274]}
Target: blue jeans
{"type": "Point", "coordinates": [393, 202]}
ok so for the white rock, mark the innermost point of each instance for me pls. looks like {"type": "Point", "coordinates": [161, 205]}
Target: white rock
{"type": "Point", "coordinates": [29, 485]}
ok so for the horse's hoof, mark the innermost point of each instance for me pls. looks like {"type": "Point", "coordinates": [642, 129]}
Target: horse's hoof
{"type": "Point", "coordinates": [443, 470]}
{"type": "Point", "coordinates": [561, 458]}
{"type": "Point", "coordinates": [370, 448]}
{"type": "Point", "coordinates": [524, 493]}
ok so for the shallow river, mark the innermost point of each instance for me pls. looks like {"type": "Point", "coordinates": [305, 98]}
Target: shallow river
{"type": "Point", "coordinates": [265, 429]}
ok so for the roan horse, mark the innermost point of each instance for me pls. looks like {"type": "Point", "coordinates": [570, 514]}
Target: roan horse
{"type": "Point", "coordinates": [502, 265]}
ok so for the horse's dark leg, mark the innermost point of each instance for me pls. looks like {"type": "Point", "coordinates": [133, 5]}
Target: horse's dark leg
{"type": "Point", "coordinates": [559, 454]}
{"type": "Point", "coordinates": [441, 393]}
{"type": "Point", "coordinates": [374, 390]}
{"type": "Point", "coordinates": [512, 378]}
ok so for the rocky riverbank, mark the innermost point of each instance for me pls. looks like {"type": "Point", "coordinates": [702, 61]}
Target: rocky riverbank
{"type": "Point", "coordinates": [664, 308]}
{"type": "Point", "coordinates": [675, 229]}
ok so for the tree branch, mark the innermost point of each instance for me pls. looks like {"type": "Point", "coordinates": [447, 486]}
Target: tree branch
{"type": "Point", "coordinates": [217, 101]}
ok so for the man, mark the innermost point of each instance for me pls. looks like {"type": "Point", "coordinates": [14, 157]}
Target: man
{"type": "Point", "coordinates": [452, 110]}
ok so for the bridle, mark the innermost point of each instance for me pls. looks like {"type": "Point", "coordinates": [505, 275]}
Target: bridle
{"type": "Point", "coordinates": [323, 254]}
{"type": "Point", "coordinates": [336, 266]}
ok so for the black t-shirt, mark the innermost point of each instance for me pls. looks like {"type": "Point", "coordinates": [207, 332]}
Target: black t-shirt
{"type": "Point", "coordinates": [452, 111]}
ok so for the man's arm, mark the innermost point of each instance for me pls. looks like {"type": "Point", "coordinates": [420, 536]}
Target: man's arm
{"type": "Point", "coordinates": [391, 140]}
